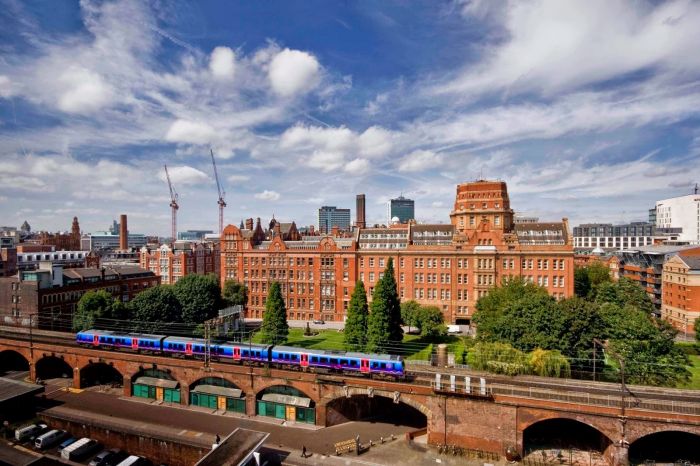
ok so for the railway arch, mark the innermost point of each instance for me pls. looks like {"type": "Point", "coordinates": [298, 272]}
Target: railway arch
{"type": "Point", "coordinates": [11, 360]}
{"type": "Point", "coordinates": [669, 446]}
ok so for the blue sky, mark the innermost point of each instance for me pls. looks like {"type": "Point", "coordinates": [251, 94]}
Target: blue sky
{"type": "Point", "coordinates": [589, 110]}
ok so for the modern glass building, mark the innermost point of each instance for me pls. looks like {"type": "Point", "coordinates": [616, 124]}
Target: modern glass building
{"type": "Point", "coordinates": [402, 208]}
{"type": "Point", "coordinates": [331, 216]}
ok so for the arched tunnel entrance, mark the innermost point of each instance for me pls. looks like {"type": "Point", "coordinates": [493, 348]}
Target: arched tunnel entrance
{"type": "Point", "coordinates": [12, 361]}
{"type": "Point", "coordinates": [557, 440]}
{"type": "Point", "coordinates": [374, 409]}
{"type": "Point", "coordinates": [100, 373]}
{"type": "Point", "coordinates": [666, 447]}
{"type": "Point", "coordinates": [52, 367]}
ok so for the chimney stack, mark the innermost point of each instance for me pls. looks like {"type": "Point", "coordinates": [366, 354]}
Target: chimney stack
{"type": "Point", "coordinates": [249, 224]}
{"type": "Point", "coordinates": [360, 211]}
{"type": "Point", "coordinates": [123, 233]}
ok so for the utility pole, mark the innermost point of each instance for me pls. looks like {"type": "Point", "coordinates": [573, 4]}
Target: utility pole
{"type": "Point", "coordinates": [173, 205]}
{"type": "Point", "coordinates": [221, 192]}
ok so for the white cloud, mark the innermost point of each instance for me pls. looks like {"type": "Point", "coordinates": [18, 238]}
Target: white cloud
{"type": "Point", "coordinates": [193, 132]}
{"type": "Point", "coordinates": [222, 63]}
{"type": "Point", "coordinates": [375, 142]}
{"type": "Point", "coordinates": [84, 91]}
{"type": "Point", "coordinates": [420, 160]}
{"type": "Point", "coordinates": [237, 178]}
{"type": "Point", "coordinates": [553, 45]}
{"type": "Point", "coordinates": [185, 175]}
{"type": "Point", "coordinates": [5, 87]}
{"type": "Point", "coordinates": [326, 160]}
{"type": "Point", "coordinates": [267, 195]}
{"type": "Point", "coordinates": [437, 204]}
{"type": "Point", "coordinates": [357, 167]}
{"type": "Point", "coordinates": [292, 72]}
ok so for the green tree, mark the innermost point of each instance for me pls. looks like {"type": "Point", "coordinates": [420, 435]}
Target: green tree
{"type": "Point", "coordinates": [491, 309]}
{"type": "Point", "coordinates": [275, 328]}
{"type": "Point", "coordinates": [549, 363]}
{"type": "Point", "coordinates": [355, 334]}
{"type": "Point", "coordinates": [384, 325]}
{"type": "Point", "coordinates": [500, 358]}
{"type": "Point", "coordinates": [409, 314]}
{"type": "Point", "coordinates": [235, 293]}
{"type": "Point", "coordinates": [158, 304]}
{"type": "Point", "coordinates": [582, 323]}
{"type": "Point", "coordinates": [92, 306]}
{"type": "Point", "coordinates": [199, 296]}
{"type": "Point", "coordinates": [696, 327]}
{"type": "Point", "coordinates": [432, 322]}
{"type": "Point", "coordinates": [582, 282]}
{"type": "Point", "coordinates": [598, 273]}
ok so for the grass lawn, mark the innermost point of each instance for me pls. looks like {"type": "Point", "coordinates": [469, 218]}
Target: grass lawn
{"type": "Point", "coordinates": [412, 347]}
{"type": "Point", "coordinates": [694, 382]}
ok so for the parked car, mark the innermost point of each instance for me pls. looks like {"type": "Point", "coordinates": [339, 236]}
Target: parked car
{"type": "Point", "coordinates": [49, 439]}
{"type": "Point", "coordinates": [319, 321]}
{"type": "Point", "coordinates": [134, 460]}
{"type": "Point", "coordinates": [80, 450]}
{"type": "Point", "coordinates": [109, 457]}
{"type": "Point", "coordinates": [30, 432]}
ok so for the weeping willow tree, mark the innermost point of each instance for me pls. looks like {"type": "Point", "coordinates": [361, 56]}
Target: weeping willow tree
{"type": "Point", "coordinates": [549, 363]}
{"type": "Point", "coordinates": [500, 358]}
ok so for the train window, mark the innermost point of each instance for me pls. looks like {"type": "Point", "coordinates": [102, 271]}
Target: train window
{"type": "Point", "coordinates": [334, 361]}
{"type": "Point", "coordinates": [294, 357]}
{"type": "Point", "coordinates": [383, 365]}
{"type": "Point", "coordinates": [343, 362]}
{"type": "Point", "coordinates": [245, 352]}
{"type": "Point", "coordinates": [314, 358]}
{"type": "Point", "coordinates": [286, 356]}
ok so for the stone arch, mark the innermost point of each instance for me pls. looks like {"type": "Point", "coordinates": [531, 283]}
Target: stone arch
{"type": "Point", "coordinates": [403, 398]}
{"type": "Point", "coordinates": [259, 388]}
{"type": "Point", "coordinates": [564, 433]}
{"type": "Point", "coordinates": [154, 372]}
{"type": "Point", "coordinates": [217, 392]}
{"type": "Point", "coordinates": [666, 446]}
{"type": "Point", "coordinates": [53, 367]}
{"type": "Point", "coordinates": [530, 417]}
{"type": "Point", "coordinates": [287, 402]}
{"type": "Point", "coordinates": [11, 360]}
{"type": "Point", "coordinates": [100, 373]}
{"type": "Point", "coordinates": [356, 404]}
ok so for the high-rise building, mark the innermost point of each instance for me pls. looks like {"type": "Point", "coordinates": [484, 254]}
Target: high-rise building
{"type": "Point", "coordinates": [446, 265]}
{"type": "Point", "coordinates": [401, 208]}
{"type": "Point", "coordinates": [681, 212]}
{"type": "Point", "coordinates": [360, 222]}
{"type": "Point", "coordinates": [331, 216]}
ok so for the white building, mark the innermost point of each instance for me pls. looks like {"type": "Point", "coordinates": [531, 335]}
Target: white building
{"type": "Point", "coordinates": [681, 212]}
{"type": "Point", "coordinates": [106, 240]}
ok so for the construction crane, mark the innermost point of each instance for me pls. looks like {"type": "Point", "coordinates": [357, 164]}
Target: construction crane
{"type": "Point", "coordinates": [221, 201]}
{"type": "Point", "coordinates": [173, 204]}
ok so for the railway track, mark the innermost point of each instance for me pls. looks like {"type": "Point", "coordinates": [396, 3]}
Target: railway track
{"type": "Point", "coordinates": [525, 386]}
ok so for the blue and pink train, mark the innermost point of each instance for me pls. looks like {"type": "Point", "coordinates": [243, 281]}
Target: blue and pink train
{"type": "Point", "coordinates": [282, 356]}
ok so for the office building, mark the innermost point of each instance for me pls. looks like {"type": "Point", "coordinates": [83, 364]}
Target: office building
{"type": "Point", "coordinates": [47, 297]}
{"type": "Point", "coordinates": [681, 212]}
{"type": "Point", "coordinates": [401, 208]}
{"type": "Point", "coordinates": [193, 235]}
{"type": "Point", "coordinates": [608, 237]}
{"type": "Point", "coordinates": [446, 265]}
{"type": "Point", "coordinates": [331, 216]}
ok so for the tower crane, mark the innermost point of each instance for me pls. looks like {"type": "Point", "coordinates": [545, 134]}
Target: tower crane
{"type": "Point", "coordinates": [222, 194]}
{"type": "Point", "coordinates": [173, 204]}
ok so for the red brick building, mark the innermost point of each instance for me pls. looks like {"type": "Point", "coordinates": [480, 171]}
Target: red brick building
{"type": "Point", "coordinates": [48, 297]}
{"type": "Point", "coordinates": [681, 290]}
{"type": "Point", "coordinates": [184, 258]}
{"type": "Point", "coordinates": [62, 241]}
{"type": "Point", "coordinates": [447, 265]}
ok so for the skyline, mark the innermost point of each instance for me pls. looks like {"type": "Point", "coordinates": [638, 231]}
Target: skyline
{"type": "Point", "coordinates": [307, 104]}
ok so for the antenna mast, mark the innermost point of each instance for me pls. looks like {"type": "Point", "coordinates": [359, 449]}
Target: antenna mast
{"type": "Point", "coordinates": [173, 205]}
{"type": "Point", "coordinates": [222, 194]}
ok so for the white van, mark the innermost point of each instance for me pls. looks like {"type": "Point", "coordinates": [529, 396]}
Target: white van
{"type": "Point", "coordinates": [66, 452]}
{"type": "Point", "coordinates": [49, 439]}
{"type": "Point", "coordinates": [26, 432]}
{"type": "Point", "coordinates": [133, 460]}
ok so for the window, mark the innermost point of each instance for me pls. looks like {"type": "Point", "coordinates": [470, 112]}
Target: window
{"type": "Point", "coordinates": [381, 262]}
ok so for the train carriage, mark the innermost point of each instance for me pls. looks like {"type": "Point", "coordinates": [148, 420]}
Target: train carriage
{"type": "Point", "coordinates": [109, 339]}
{"type": "Point", "coordinates": [287, 356]}
{"type": "Point", "coordinates": [186, 347]}
{"type": "Point", "coordinates": [241, 351]}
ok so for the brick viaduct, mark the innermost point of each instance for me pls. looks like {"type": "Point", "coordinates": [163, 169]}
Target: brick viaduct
{"type": "Point", "coordinates": [489, 424]}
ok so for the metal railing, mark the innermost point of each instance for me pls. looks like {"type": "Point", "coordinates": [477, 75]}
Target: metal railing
{"type": "Point", "coordinates": [612, 401]}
